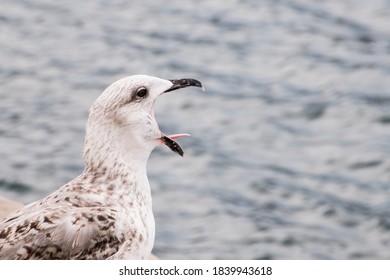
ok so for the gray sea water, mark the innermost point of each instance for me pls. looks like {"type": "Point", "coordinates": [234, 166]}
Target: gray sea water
{"type": "Point", "coordinates": [289, 154]}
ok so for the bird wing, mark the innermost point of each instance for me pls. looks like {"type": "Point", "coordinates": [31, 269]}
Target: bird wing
{"type": "Point", "coordinates": [59, 233]}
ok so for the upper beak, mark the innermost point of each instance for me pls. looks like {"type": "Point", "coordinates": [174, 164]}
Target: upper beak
{"type": "Point", "coordinates": [182, 83]}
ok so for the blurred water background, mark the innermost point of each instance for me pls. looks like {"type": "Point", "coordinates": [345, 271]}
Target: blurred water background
{"type": "Point", "coordinates": [289, 157]}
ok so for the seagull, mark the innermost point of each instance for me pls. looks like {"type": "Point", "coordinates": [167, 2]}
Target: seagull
{"type": "Point", "coordinates": [106, 212]}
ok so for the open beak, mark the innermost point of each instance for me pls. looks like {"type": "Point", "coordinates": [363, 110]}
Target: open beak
{"type": "Point", "coordinates": [168, 139]}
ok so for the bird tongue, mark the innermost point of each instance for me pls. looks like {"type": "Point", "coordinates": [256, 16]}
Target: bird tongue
{"type": "Point", "coordinates": [168, 140]}
{"type": "Point", "coordinates": [175, 136]}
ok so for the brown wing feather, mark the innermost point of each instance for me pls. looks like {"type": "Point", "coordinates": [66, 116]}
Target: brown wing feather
{"type": "Point", "coordinates": [60, 233]}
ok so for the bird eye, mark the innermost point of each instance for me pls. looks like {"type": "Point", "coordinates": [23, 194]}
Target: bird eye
{"type": "Point", "coordinates": [142, 92]}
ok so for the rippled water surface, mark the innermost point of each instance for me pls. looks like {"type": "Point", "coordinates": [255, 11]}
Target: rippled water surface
{"type": "Point", "coordinates": [289, 157]}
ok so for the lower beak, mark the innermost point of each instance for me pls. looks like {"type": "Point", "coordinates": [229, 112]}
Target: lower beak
{"type": "Point", "coordinates": [173, 145]}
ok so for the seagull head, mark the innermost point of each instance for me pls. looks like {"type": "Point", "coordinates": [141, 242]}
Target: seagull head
{"type": "Point", "coordinates": [122, 122]}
